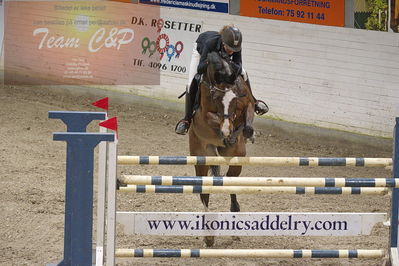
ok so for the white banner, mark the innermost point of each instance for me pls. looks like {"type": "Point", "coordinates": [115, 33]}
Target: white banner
{"type": "Point", "coordinates": [248, 224]}
{"type": "Point", "coordinates": [174, 44]}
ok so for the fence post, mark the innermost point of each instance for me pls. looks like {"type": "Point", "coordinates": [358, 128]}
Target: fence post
{"type": "Point", "coordinates": [79, 175]}
{"type": "Point", "coordinates": [395, 198]}
{"type": "Point", "coordinates": [76, 122]}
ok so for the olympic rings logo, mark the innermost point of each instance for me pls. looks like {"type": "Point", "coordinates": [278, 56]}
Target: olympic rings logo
{"type": "Point", "coordinates": [162, 45]}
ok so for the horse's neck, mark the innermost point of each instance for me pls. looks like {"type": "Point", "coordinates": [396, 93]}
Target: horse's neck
{"type": "Point", "coordinates": [206, 97]}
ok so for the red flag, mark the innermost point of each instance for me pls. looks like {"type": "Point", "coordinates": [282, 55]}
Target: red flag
{"type": "Point", "coordinates": [102, 103]}
{"type": "Point", "coordinates": [111, 123]}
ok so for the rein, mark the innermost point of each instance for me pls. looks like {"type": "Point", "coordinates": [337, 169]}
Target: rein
{"type": "Point", "coordinates": [213, 88]}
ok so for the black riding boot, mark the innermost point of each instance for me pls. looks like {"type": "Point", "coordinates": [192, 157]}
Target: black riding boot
{"type": "Point", "coordinates": [261, 107]}
{"type": "Point", "coordinates": [184, 124]}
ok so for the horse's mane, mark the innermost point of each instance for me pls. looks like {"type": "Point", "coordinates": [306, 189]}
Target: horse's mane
{"type": "Point", "coordinates": [219, 70]}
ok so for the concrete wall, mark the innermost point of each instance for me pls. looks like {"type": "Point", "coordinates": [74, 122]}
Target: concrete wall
{"type": "Point", "coordinates": [331, 77]}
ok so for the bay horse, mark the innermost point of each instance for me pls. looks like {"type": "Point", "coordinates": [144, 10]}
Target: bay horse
{"type": "Point", "coordinates": [222, 123]}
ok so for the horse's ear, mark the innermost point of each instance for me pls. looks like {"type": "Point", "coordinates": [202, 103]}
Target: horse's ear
{"type": "Point", "coordinates": [232, 78]}
{"type": "Point", "coordinates": [212, 58]}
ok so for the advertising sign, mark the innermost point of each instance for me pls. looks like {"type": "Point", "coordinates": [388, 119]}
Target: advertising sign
{"type": "Point", "coordinates": [73, 42]}
{"type": "Point", "coordinates": [173, 46]}
{"type": "Point", "coordinates": [221, 6]}
{"type": "Point", "coordinates": [249, 224]}
{"type": "Point", "coordinates": [323, 12]}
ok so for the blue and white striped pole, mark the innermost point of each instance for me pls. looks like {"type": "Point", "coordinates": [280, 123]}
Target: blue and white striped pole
{"type": "Point", "coordinates": [257, 181]}
{"type": "Point", "coordinates": [258, 161]}
{"type": "Point", "coordinates": [248, 253]}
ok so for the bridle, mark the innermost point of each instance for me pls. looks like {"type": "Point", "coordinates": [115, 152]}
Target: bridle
{"type": "Point", "coordinates": [213, 88]}
{"type": "Point", "coordinates": [231, 116]}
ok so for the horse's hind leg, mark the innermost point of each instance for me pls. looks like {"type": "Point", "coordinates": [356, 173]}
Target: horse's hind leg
{"type": "Point", "coordinates": [234, 205]}
{"type": "Point", "coordinates": [202, 170]}
{"type": "Point", "coordinates": [234, 171]}
{"type": "Point", "coordinates": [198, 149]}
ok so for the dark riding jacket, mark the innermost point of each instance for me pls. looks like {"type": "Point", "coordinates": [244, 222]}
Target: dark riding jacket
{"type": "Point", "coordinates": [211, 41]}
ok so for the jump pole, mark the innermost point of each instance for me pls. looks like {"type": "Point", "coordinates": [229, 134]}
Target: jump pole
{"type": "Point", "coordinates": [254, 190]}
{"type": "Point", "coordinates": [248, 253]}
{"type": "Point", "coordinates": [257, 181]}
{"type": "Point", "coordinates": [255, 161]}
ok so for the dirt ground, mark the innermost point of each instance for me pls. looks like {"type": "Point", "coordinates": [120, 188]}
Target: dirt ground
{"type": "Point", "coordinates": [32, 183]}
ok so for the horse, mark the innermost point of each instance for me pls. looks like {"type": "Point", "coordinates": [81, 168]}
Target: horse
{"type": "Point", "coordinates": [222, 123]}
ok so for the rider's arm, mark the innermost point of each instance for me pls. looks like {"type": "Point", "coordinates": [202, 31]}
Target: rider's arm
{"type": "Point", "coordinates": [237, 62]}
{"type": "Point", "coordinates": [208, 45]}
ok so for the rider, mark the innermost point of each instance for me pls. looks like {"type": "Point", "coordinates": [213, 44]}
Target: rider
{"type": "Point", "coordinates": [227, 43]}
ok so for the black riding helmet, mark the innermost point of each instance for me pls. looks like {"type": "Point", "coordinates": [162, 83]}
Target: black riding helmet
{"type": "Point", "coordinates": [232, 38]}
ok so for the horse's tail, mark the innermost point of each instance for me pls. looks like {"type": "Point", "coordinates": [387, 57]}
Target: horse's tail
{"type": "Point", "coordinates": [215, 170]}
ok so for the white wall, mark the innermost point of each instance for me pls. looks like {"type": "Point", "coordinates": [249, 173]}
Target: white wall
{"type": "Point", "coordinates": [339, 78]}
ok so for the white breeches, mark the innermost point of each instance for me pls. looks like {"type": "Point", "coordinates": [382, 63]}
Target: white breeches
{"type": "Point", "coordinates": [195, 59]}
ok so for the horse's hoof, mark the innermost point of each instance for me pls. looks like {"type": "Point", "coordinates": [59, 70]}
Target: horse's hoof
{"type": "Point", "coordinates": [261, 107]}
{"type": "Point", "coordinates": [235, 208]}
{"type": "Point", "coordinates": [182, 127]}
{"type": "Point", "coordinates": [209, 241]}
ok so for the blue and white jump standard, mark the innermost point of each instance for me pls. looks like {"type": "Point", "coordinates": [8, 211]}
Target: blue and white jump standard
{"type": "Point", "coordinates": [79, 184]}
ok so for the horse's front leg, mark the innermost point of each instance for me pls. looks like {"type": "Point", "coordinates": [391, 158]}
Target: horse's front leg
{"type": "Point", "coordinates": [249, 119]}
{"type": "Point", "coordinates": [234, 171]}
{"type": "Point", "coordinates": [236, 150]}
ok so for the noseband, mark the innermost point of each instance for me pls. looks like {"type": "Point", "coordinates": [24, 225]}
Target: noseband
{"type": "Point", "coordinates": [213, 88]}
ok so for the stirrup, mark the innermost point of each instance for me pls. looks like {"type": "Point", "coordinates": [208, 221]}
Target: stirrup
{"type": "Point", "coordinates": [182, 127]}
{"type": "Point", "coordinates": [259, 109]}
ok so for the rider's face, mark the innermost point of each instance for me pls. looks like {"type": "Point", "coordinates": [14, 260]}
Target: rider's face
{"type": "Point", "coordinates": [230, 52]}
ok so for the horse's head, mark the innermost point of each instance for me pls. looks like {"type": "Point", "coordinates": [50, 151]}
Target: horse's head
{"type": "Point", "coordinates": [228, 94]}
{"type": "Point", "coordinates": [219, 70]}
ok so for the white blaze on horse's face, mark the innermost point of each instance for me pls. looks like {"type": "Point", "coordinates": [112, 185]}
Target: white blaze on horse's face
{"type": "Point", "coordinates": [227, 99]}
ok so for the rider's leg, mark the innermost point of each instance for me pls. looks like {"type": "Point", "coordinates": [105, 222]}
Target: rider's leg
{"type": "Point", "coordinates": [184, 124]}
{"type": "Point", "coordinates": [260, 106]}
